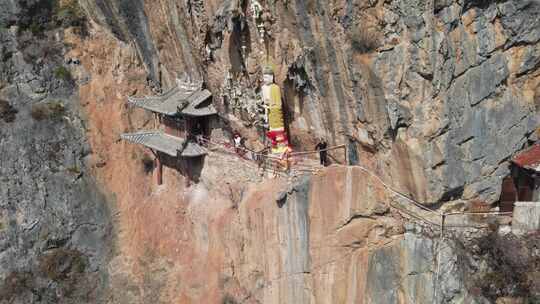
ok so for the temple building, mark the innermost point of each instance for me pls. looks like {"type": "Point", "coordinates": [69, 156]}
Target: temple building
{"type": "Point", "coordinates": [182, 115]}
{"type": "Point", "coordinates": [523, 184]}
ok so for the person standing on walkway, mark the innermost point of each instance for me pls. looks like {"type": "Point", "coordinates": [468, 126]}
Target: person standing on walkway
{"type": "Point", "coordinates": [237, 142]}
{"type": "Point", "coordinates": [321, 147]}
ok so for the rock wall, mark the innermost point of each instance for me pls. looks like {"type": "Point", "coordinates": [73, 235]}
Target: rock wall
{"type": "Point", "coordinates": [56, 233]}
{"type": "Point", "coordinates": [444, 89]}
{"type": "Point", "coordinates": [433, 96]}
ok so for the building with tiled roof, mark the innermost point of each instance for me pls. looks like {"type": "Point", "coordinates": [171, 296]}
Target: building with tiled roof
{"type": "Point", "coordinates": [183, 114]}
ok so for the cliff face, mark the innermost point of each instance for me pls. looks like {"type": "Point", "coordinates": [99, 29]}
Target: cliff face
{"type": "Point", "coordinates": [55, 224]}
{"type": "Point", "coordinates": [432, 96]}
{"type": "Point", "coordinates": [446, 90]}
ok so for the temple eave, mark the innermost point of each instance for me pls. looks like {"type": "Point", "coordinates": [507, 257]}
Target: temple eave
{"type": "Point", "coordinates": [193, 150]}
{"type": "Point", "coordinates": [177, 101]}
{"type": "Point", "coordinates": [207, 111]}
{"type": "Point", "coordinates": [165, 143]}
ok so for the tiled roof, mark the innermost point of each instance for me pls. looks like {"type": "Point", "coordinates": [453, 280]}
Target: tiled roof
{"type": "Point", "coordinates": [529, 159]}
{"type": "Point", "coordinates": [165, 143]}
{"type": "Point", "coordinates": [193, 150]}
{"type": "Point", "coordinates": [194, 107]}
{"type": "Point", "coordinates": [185, 98]}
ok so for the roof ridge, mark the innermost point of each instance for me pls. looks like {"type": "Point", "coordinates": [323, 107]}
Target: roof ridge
{"type": "Point", "coordinates": [158, 96]}
{"type": "Point", "coordinates": [143, 132]}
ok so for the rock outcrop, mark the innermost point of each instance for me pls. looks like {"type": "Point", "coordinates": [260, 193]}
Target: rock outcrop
{"type": "Point", "coordinates": [420, 85]}
{"type": "Point", "coordinates": [432, 96]}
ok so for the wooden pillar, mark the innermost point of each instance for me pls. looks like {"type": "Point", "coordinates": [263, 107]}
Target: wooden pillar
{"type": "Point", "coordinates": [186, 171]}
{"type": "Point", "coordinates": [187, 126]}
{"type": "Point", "coordinates": [159, 173]}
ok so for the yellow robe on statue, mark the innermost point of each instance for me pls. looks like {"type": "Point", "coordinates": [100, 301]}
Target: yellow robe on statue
{"type": "Point", "coordinates": [272, 98]}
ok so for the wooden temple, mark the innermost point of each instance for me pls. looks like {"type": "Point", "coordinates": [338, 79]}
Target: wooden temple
{"type": "Point", "coordinates": [182, 115]}
{"type": "Point", "coordinates": [523, 183]}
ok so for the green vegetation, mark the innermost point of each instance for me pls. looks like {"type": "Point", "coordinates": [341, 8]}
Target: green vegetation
{"type": "Point", "coordinates": [62, 73]}
{"type": "Point", "coordinates": [7, 112]}
{"type": "Point", "coordinates": [53, 110]}
{"type": "Point", "coordinates": [35, 28]}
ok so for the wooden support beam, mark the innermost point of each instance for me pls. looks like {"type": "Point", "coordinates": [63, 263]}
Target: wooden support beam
{"type": "Point", "coordinates": [159, 173]}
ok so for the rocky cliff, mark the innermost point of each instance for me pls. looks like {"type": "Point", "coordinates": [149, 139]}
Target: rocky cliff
{"type": "Point", "coordinates": [55, 223]}
{"type": "Point", "coordinates": [434, 97]}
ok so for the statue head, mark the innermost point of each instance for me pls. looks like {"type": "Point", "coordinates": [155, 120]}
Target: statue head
{"type": "Point", "coordinates": [268, 75]}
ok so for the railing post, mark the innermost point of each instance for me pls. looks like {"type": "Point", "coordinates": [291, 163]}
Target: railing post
{"type": "Point", "coordinates": [346, 155]}
{"type": "Point", "coordinates": [288, 164]}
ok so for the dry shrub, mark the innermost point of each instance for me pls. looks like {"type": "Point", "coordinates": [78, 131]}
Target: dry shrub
{"type": "Point", "coordinates": [74, 170]}
{"type": "Point", "coordinates": [53, 110]}
{"type": "Point", "coordinates": [38, 112]}
{"type": "Point", "coordinates": [62, 264]}
{"type": "Point", "coordinates": [7, 111]}
{"type": "Point", "coordinates": [148, 163]}
{"type": "Point", "coordinates": [228, 299]}
{"type": "Point", "coordinates": [14, 284]}
{"type": "Point", "coordinates": [514, 266]}
{"type": "Point", "coordinates": [364, 39]}
{"type": "Point", "coordinates": [62, 73]}
{"type": "Point", "coordinates": [69, 13]}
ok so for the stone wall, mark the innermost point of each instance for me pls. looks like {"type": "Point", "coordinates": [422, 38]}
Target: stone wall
{"type": "Point", "coordinates": [526, 217]}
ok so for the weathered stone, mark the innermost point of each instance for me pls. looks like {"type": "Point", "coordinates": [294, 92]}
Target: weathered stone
{"type": "Point", "coordinates": [530, 61]}
{"type": "Point", "coordinates": [520, 19]}
{"type": "Point", "coordinates": [526, 217]}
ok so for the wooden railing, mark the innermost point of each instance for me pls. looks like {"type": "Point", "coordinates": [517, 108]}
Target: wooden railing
{"type": "Point", "coordinates": [287, 162]}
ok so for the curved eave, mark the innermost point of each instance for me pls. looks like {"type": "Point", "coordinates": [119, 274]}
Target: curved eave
{"type": "Point", "coordinates": [156, 140]}
{"type": "Point", "coordinates": [193, 150]}
{"type": "Point", "coordinates": [207, 111]}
